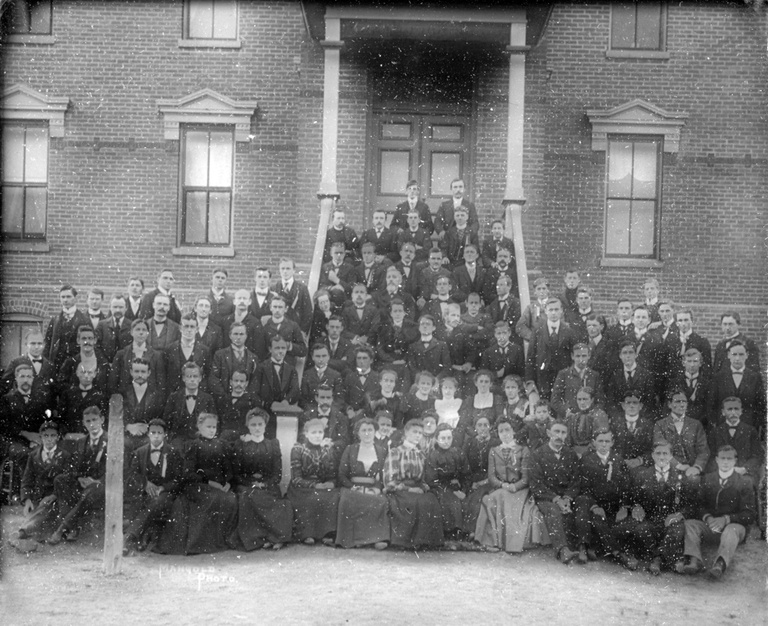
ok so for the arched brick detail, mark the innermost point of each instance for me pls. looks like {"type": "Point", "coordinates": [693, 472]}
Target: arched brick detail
{"type": "Point", "coordinates": [25, 306]}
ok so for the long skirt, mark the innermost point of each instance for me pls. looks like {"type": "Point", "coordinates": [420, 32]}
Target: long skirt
{"type": "Point", "coordinates": [472, 505]}
{"type": "Point", "coordinates": [203, 520]}
{"type": "Point", "coordinates": [363, 519]}
{"type": "Point", "coordinates": [450, 509]}
{"type": "Point", "coordinates": [315, 512]}
{"type": "Point", "coordinates": [262, 516]}
{"type": "Point", "coordinates": [510, 521]}
{"type": "Point", "coordinates": [416, 519]}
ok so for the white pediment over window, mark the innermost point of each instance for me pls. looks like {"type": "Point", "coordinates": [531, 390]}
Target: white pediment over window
{"type": "Point", "coordinates": [636, 118]}
{"type": "Point", "coordinates": [24, 103]}
{"type": "Point", "coordinates": [207, 107]}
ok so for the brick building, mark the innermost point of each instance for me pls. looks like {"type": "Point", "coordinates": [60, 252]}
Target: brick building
{"type": "Point", "coordinates": [632, 139]}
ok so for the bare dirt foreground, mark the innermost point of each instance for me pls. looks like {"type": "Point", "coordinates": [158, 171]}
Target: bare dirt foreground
{"type": "Point", "coordinates": [318, 585]}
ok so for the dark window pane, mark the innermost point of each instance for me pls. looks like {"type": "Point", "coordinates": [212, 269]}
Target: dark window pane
{"type": "Point", "coordinates": [13, 210]}
{"type": "Point", "coordinates": [617, 227]}
{"type": "Point", "coordinates": [34, 216]}
{"type": "Point", "coordinates": [40, 17]}
{"type": "Point", "coordinates": [218, 218]}
{"type": "Point", "coordinates": [623, 25]}
{"type": "Point", "coordinates": [642, 227]}
{"type": "Point", "coordinates": [194, 218]}
{"type": "Point", "coordinates": [648, 26]}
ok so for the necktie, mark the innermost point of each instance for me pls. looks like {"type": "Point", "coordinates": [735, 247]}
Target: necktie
{"type": "Point", "coordinates": [26, 398]}
{"type": "Point", "coordinates": [630, 376]}
{"type": "Point", "coordinates": [631, 427]}
{"type": "Point", "coordinates": [661, 476]}
{"type": "Point", "coordinates": [723, 482]}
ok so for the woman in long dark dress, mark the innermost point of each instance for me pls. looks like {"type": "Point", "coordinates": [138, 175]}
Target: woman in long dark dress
{"type": "Point", "coordinates": [313, 491]}
{"type": "Point", "coordinates": [212, 518]}
{"type": "Point", "coordinates": [446, 473]}
{"type": "Point", "coordinates": [483, 403]}
{"type": "Point", "coordinates": [265, 518]}
{"type": "Point", "coordinates": [476, 449]}
{"type": "Point", "coordinates": [414, 511]}
{"type": "Point", "coordinates": [363, 509]}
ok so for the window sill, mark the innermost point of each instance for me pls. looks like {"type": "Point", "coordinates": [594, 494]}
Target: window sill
{"type": "Point", "coordinates": [209, 43]}
{"type": "Point", "coordinates": [203, 251]}
{"type": "Point", "coordinates": [659, 55]}
{"type": "Point", "coordinates": [25, 246]}
{"type": "Point", "coordinates": [42, 40]}
{"type": "Point", "coordinates": [645, 263]}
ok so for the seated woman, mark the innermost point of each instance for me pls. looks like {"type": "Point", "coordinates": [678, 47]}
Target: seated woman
{"type": "Point", "coordinates": [414, 512]}
{"type": "Point", "coordinates": [363, 509]}
{"type": "Point", "coordinates": [476, 451]}
{"type": "Point", "coordinates": [210, 507]}
{"type": "Point", "coordinates": [509, 519]}
{"type": "Point", "coordinates": [516, 406]}
{"type": "Point", "coordinates": [483, 403]}
{"type": "Point", "coordinates": [387, 399]}
{"type": "Point", "coordinates": [265, 518]}
{"type": "Point", "coordinates": [313, 491]}
{"type": "Point", "coordinates": [448, 405]}
{"type": "Point", "coordinates": [446, 473]}
{"type": "Point", "coordinates": [584, 423]}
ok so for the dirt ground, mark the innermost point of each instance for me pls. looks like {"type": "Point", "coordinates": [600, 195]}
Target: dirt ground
{"type": "Point", "coordinates": [64, 585]}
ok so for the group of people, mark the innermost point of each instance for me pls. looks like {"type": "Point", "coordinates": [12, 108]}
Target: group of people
{"type": "Point", "coordinates": [435, 411]}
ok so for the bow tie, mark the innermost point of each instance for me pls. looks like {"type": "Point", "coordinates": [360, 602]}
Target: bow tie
{"type": "Point", "coordinates": [36, 360]}
{"type": "Point", "coordinates": [263, 294]}
{"type": "Point", "coordinates": [191, 397]}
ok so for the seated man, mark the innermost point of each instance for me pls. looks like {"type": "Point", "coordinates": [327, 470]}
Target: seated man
{"type": "Point", "coordinates": [730, 323]}
{"type": "Point", "coordinates": [663, 502]}
{"type": "Point", "coordinates": [735, 433]}
{"type": "Point", "coordinates": [726, 509]}
{"type": "Point", "coordinates": [383, 238]}
{"type": "Point", "coordinates": [361, 317]}
{"type": "Point", "coordinates": [276, 381]}
{"type": "Point", "coordinates": [555, 480]}
{"type": "Point", "coordinates": [503, 358]}
{"type": "Point", "coordinates": [337, 275]}
{"type": "Point", "coordinates": [142, 402]}
{"type": "Point", "coordinates": [740, 381]}
{"type": "Point", "coordinates": [319, 374]}
{"type": "Point", "coordinates": [80, 492]}
{"type": "Point", "coordinates": [154, 478]}
{"type": "Point", "coordinates": [633, 432]}
{"type": "Point", "coordinates": [571, 379]}
{"type": "Point", "coordinates": [695, 381]}
{"type": "Point", "coordinates": [279, 324]}
{"type": "Point", "coordinates": [184, 405]}
{"type": "Point", "coordinates": [370, 272]}
{"type": "Point", "coordinates": [187, 350]}
{"type": "Point", "coordinates": [686, 436]}
{"type": "Point", "coordinates": [234, 406]}
{"type": "Point", "coordinates": [336, 423]}
{"type": "Point", "coordinates": [227, 360]}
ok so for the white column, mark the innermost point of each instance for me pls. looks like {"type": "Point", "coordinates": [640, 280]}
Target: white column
{"type": "Point", "coordinates": [514, 195]}
{"type": "Point", "coordinates": [328, 192]}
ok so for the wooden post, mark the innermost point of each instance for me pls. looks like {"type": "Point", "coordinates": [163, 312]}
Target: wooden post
{"type": "Point", "coordinates": [113, 507]}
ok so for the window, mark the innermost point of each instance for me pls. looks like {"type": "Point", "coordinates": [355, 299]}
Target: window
{"type": "Point", "coordinates": [28, 17]}
{"type": "Point", "coordinates": [206, 187]}
{"type": "Point", "coordinates": [638, 29]}
{"type": "Point", "coordinates": [633, 197]}
{"type": "Point", "coordinates": [210, 22]}
{"type": "Point", "coordinates": [25, 180]}
{"type": "Point", "coordinates": [13, 329]}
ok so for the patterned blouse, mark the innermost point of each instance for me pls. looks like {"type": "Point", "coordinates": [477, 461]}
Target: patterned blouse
{"type": "Point", "coordinates": [404, 468]}
{"type": "Point", "coordinates": [311, 464]}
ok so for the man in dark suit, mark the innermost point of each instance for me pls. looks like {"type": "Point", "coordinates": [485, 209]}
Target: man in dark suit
{"type": "Point", "coordinates": [384, 239]}
{"type": "Point", "coordinates": [427, 353]}
{"type": "Point", "coordinates": [233, 407]}
{"type": "Point", "coordinates": [503, 266]}
{"type": "Point", "coordinates": [210, 333]}
{"type": "Point", "coordinates": [155, 477]}
{"type": "Point", "coordinates": [600, 350]}
{"type": "Point", "coordinates": [133, 300]}
{"type": "Point", "coordinates": [114, 332]}
{"type": "Point", "coordinates": [429, 275]}
{"type": "Point", "coordinates": [295, 294]}
{"type": "Point", "coordinates": [370, 272]}
{"type": "Point", "coordinates": [46, 462]}
{"type": "Point", "coordinates": [42, 368]}
{"type": "Point", "coordinates": [503, 358]}
{"type": "Point", "coordinates": [94, 300]}
{"type": "Point", "coordinates": [469, 277]}
{"type": "Point", "coordinates": [221, 302]}
{"type": "Point", "coordinates": [360, 383]}
{"type": "Point", "coordinates": [457, 237]}
{"type": "Point", "coordinates": [444, 219]}
{"type": "Point", "coordinates": [497, 242]}
{"type": "Point", "coordinates": [555, 484]}
{"type": "Point", "coordinates": [141, 404]}
{"type": "Point", "coordinates": [726, 510]}
{"type": "Point", "coordinates": [571, 379]}
{"type": "Point", "coordinates": [163, 331]}
{"type": "Point", "coordinates": [739, 381]}
{"type": "Point", "coordinates": [279, 324]}
{"type": "Point", "coordinates": [337, 275]}
{"type": "Point", "coordinates": [337, 425]}
{"type": "Point", "coordinates": [663, 502]}
{"type": "Point", "coordinates": [743, 437]}
{"type": "Point", "coordinates": [165, 281]}
{"type": "Point", "coordinates": [678, 343]}
{"type": "Point", "coordinates": [319, 374]}
{"type": "Point", "coordinates": [339, 232]}
{"type": "Point", "coordinates": [409, 270]}
{"type": "Point", "coordinates": [632, 376]}
{"type": "Point", "coordinates": [261, 295]}
{"type": "Point", "coordinates": [412, 203]}
{"type": "Point", "coordinates": [649, 349]}
{"type": "Point", "coordinates": [20, 418]}
{"type": "Point", "coordinates": [276, 380]}
{"type": "Point", "coordinates": [633, 433]}
{"type": "Point", "coordinates": [185, 404]}
{"type": "Point", "coordinates": [686, 436]}
{"type": "Point", "coordinates": [395, 336]}
{"type": "Point", "coordinates": [81, 491]}
{"type": "Point", "coordinates": [505, 307]}
{"type": "Point", "coordinates": [227, 360]}
{"type": "Point", "coordinates": [550, 349]}
{"type": "Point", "coordinates": [61, 334]}
{"type": "Point", "coordinates": [361, 317]}
{"type": "Point", "coordinates": [120, 372]}
{"type": "Point", "coordinates": [256, 338]}
{"type": "Point", "coordinates": [186, 350]}
{"type": "Point", "coordinates": [76, 398]}
{"type": "Point", "coordinates": [577, 317]}
{"type": "Point", "coordinates": [339, 347]}
{"type": "Point", "coordinates": [731, 325]}
{"type": "Point", "coordinates": [695, 381]}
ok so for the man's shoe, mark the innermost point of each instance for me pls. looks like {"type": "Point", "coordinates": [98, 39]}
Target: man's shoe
{"type": "Point", "coordinates": [629, 562]}
{"type": "Point", "coordinates": [309, 541]}
{"type": "Point", "coordinates": [381, 545]}
{"type": "Point", "coordinates": [655, 567]}
{"type": "Point", "coordinates": [278, 546]}
{"type": "Point", "coordinates": [693, 566]}
{"type": "Point", "coordinates": [680, 566]}
{"type": "Point", "coordinates": [71, 535]}
{"type": "Point", "coordinates": [55, 537]}
{"type": "Point", "coordinates": [582, 558]}
{"type": "Point", "coordinates": [717, 570]}
{"type": "Point", "coordinates": [23, 534]}
{"type": "Point", "coordinates": [566, 555]}
{"type": "Point", "coordinates": [592, 554]}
